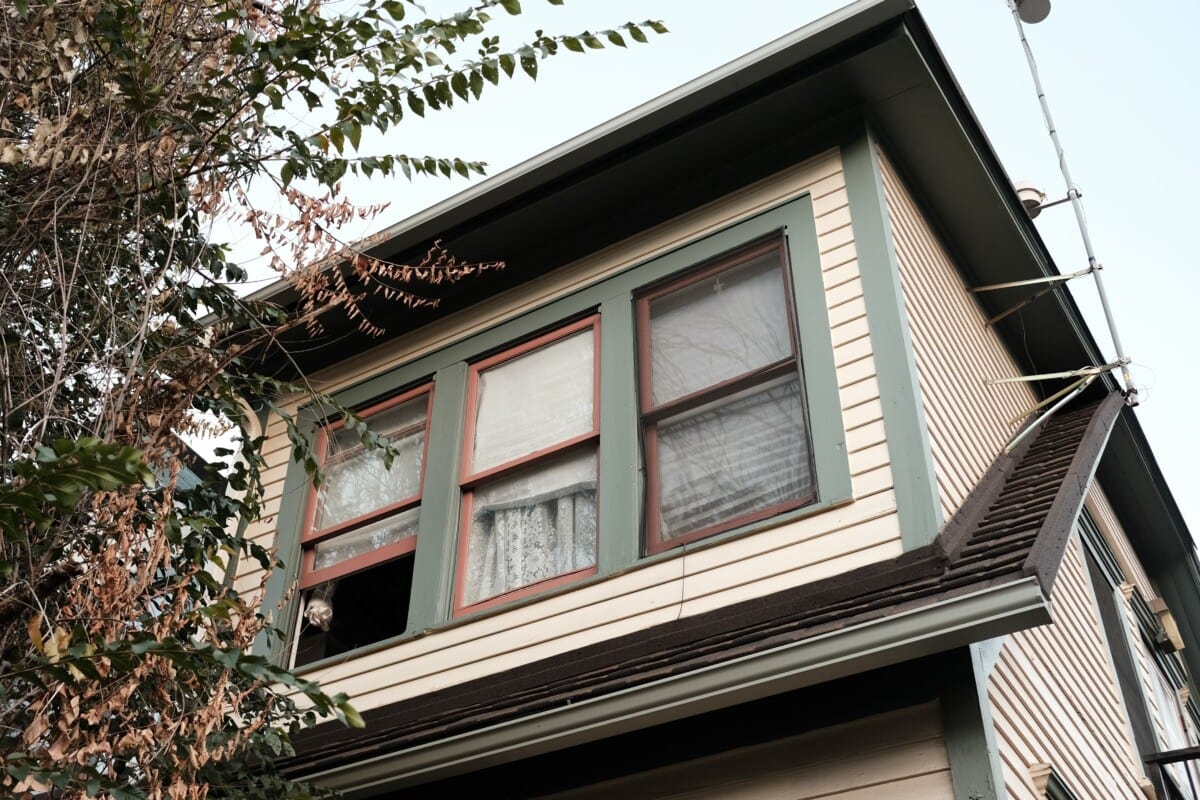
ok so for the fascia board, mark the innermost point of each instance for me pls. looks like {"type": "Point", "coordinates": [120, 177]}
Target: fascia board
{"type": "Point", "coordinates": [950, 623]}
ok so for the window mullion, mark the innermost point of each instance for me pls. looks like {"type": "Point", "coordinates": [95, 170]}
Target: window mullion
{"type": "Point", "coordinates": [621, 486]}
{"type": "Point", "coordinates": [436, 538]}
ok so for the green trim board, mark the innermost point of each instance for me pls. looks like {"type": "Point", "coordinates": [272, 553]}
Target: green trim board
{"type": "Point", "coordinates": [621, 474]}
{"type": "Point", "coordinates": [895, 362]}
{"type": "Point", "coordinates": [967, 723]}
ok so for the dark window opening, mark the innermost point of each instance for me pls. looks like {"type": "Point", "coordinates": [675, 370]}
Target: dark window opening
{"type": "Point", "coordinates": [362, 608]}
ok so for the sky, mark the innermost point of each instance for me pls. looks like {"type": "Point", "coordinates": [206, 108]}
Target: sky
{"type": "Point", "coordinates": [1121, 80]}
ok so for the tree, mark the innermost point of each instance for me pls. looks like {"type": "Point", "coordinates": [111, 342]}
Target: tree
{"type": "Point", "coordinates": [126, 127]}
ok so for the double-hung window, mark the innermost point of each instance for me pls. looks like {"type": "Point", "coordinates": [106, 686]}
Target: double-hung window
{"type": "Point", "coordinates": [722, 401]}
{"type": "Point", "coordinates": [362, 528]}
{"type": "Point", "coordinates": [529, 468]}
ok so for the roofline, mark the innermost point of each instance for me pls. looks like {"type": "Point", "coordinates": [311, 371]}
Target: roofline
{"type": "Point", "coordinates": [827, 32]}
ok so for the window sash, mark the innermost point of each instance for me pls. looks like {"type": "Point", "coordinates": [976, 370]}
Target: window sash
{"type": "Point", "coordinates": [309, 576]}
{"type": "Point", "coordinates": [654, 413]}
{"type": "Point", "coordinates": [472, 480]}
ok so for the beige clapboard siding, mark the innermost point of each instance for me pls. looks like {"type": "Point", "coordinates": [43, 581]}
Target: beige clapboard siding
{"type": "Point", "coordinates": [955, 354]}
{"type": "Point", "coordinates": [1145, 666]}
{"type": "Point", "coordinates": [856, 533]}
{"type": "Point", "coordinates": [1055, 699]}
{"type": "Point", "coordinates": [1114, 534]}
{"type": "Point", "coordinates": [900, 755]}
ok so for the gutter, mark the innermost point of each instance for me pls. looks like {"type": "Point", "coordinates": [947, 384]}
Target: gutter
{"type": "Point", "coordinates": [941, 626]}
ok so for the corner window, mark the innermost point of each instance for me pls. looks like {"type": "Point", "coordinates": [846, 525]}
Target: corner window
{"type": "Point", "coordinates": [529, 468]}
{"type": "Point", "coordinates": [722, 403]}
{"type": "Point", "coordinates": [361, 530]}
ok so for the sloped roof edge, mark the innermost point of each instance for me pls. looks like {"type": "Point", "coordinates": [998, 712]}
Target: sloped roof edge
{"type": "Point", "coordinates": [989, 572]}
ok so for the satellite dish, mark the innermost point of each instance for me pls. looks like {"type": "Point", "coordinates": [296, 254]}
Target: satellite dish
{"type": "Point", "coordinates": [1033, 11]}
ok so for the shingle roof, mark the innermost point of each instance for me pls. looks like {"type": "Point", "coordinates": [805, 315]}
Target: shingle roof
{"type": "Point", "coordinates": [1013, 526]}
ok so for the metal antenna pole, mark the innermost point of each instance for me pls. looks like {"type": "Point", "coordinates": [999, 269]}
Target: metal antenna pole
{"type": "Point", "coordinates": [1076, 202]}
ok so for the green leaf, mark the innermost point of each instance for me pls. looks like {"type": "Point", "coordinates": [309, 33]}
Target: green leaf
{"type": "Point", "coordinates": [572, 44]}
{"type": "Point", "coordinates": [615, 38]}
{"type": "Point", "coordinates": [530, 65]}
{"type": "Point", "coordinates": [351, 716]}
{"type": "Point", "coordinates": [511, 6]}
{"type": "Point", "coordinates": [508, 64]}
{"type": "Point", "coordinates": [458, 83]}
{"type": "Point", "coordinates": [490, 73]}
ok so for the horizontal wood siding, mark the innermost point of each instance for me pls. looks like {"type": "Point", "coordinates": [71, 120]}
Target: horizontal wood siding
{"type": "Point", "coordinates": [955, 353]}
{"type": "Point", "coordinates": [859, 532]}
{"type": "Point", "coordinates": [898, 756]}
{"type": "Point", "coordinates": [1055, 699]}
{"type": "Point", "coordinates": [1110, 528]}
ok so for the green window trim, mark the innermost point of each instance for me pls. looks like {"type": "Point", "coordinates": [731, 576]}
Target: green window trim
{"type": "Point", "coordinates": [620, 465]}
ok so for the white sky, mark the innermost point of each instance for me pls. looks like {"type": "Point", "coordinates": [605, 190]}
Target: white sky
{"type": "Point", "coordinates": [1121, 81]}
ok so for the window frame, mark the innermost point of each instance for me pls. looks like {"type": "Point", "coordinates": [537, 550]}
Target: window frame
{"type": "Point", "coordinates": [310, 578]}
{"type": "Point", "coordinates": [470, 481]}
{"type": "Point", "coordinates": [651, 414]}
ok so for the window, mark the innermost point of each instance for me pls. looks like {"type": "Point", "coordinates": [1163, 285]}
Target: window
{"type": "Point", "coordinates": [361, 530]}
{"type": "Point", "coordinates": [722, 403]}
{"type": "Point", "coordinates": [529, 467]}
{"type": "Point", "coordinates": [667, 402]}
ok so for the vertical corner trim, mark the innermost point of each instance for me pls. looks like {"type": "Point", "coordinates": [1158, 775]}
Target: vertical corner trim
{"type": "Point", "coordinates": [913, 475]}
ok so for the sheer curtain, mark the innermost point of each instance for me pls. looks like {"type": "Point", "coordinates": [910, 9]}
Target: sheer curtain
{"type": "Point", "coordinates": [531, 527]}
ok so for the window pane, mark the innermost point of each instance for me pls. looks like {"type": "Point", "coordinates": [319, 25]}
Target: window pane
{"type": "Point", "coordinates": [357, 482]}
{"type": "Point", "coordinates": [364, 540]}
{"type": "Point", "coordinates": [733, 457]}
{"type": "Point", "coordinates": [718, 328]}
{"type": "Point", "coordinates": [534, 401]}
{"type": "Point", "coordinates": [531, 526]}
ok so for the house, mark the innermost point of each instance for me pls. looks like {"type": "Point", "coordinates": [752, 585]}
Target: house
{"type": "Point", "coordinates": [710, 493]}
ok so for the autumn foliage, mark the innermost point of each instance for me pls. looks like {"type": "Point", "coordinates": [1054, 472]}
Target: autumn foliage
{"type": "Point", "coordinates": [129, 665]}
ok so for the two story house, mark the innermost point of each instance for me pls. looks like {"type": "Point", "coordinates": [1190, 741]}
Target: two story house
{"type": "Point", "coordinates": [712, 492]}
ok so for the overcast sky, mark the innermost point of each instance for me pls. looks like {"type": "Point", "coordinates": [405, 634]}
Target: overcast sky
{"type": "Point", "coordinates": [1122, 84]}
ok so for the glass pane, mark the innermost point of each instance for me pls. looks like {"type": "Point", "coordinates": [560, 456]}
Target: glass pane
{"type": "Point", "coordinates": [534, 401]}
{"type": "Point", "coordinates": [531, 526]}
{"type": "Point", "coordinates": [357, 482]}
{"type": "Point", "coordinates": [733, 457]}
{"type": "Point", "coordinates": [363, 540]}
{"type": "Point", "coordinates": [718, 328]}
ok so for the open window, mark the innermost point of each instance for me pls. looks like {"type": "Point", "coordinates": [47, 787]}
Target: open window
{"type": "Point", "coordinates": [724, 421]}
{"type": "Point", "coordinates": [361, 530]}
{"type": "Point", "coordinates": [529, 473]}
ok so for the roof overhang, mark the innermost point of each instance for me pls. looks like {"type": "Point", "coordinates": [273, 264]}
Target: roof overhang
{"type": "Point", "coordinates": [873, 60]}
